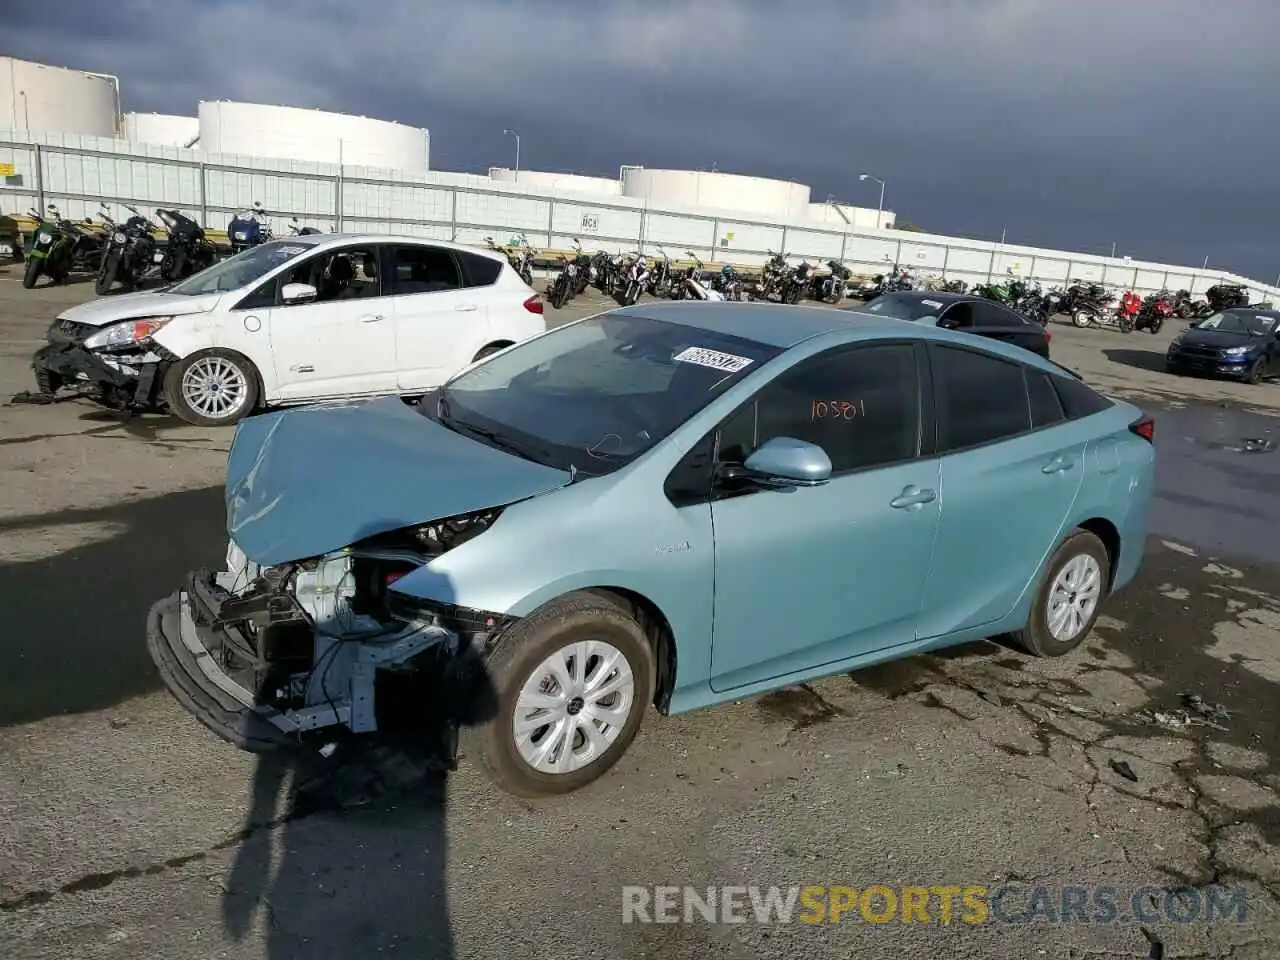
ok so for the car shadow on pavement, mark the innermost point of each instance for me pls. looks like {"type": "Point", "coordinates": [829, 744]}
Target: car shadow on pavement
{"type": "Point", "coordinates": [75, 616]}
{"type": "Point", "coordinates": [1141, 359]}
{"type": "Point", "coordinates": [355, 866]}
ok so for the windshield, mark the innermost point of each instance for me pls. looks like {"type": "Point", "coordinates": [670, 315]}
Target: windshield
{"type": "Point", "coordinates": [241, 270]}
{"type": "Point", "coordinates": [1255, 325]}
{"type": "Point", "coordinates": [595, 394]}
{"type": "Point", "coordinates": [905, 308]}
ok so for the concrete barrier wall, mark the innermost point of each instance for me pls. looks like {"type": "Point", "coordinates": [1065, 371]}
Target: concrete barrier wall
{"type": "Point", "coordinates": [78, 172]}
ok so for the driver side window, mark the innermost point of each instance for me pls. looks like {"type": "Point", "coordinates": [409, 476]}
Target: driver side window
{"type": "Point", "coordinates": [860, 404]}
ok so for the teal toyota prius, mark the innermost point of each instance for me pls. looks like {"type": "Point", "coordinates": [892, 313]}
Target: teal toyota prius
{"type": "Point", "coordinates": [674, 504]}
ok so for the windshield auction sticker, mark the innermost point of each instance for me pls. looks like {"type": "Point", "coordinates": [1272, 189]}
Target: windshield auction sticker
{"type": "Point", "coordinates": [705, 357]}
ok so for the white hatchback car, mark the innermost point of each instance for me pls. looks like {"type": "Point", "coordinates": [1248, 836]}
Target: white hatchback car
{"type": "Point", "coordinates": [296, 320]}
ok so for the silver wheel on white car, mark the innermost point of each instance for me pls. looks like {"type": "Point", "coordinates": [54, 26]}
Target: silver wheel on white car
{"type": "Point", "coordinates": [570, 684]}
{"type": "Point", "coordinates": [212, 388]}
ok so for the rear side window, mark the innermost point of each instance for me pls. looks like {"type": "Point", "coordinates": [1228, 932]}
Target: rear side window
{"type": "Point", "coordinates": [1046, 408]}
{"type": "Point", "coordinates": [423, 269]}
{"type": "Point", "coordinates": [979, 398]}
{"type": "Point", "coordinates": [991, 315]}
{"type": "Point", "coordinates": [1079, 400]}
{"type": "Point", "coordinates": [478, 270]}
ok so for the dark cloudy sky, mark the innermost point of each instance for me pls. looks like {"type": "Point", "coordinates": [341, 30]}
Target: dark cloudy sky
{"type": "Point", "coordinates": [1150, 123]}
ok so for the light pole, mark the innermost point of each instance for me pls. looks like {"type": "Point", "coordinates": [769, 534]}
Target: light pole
{"type": "Point", "coordinates": [880, 209]}
{"type": "Point", "coordinates": [516, 134]}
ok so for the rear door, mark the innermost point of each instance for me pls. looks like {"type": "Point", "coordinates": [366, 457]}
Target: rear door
{"type": "Point", "coordinates": [440, 322]}
{"type": "Point", "coordinates": [1011, 468]}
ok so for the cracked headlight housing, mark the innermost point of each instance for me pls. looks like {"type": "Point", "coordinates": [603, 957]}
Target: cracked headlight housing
{"type": "Point", "coordinates": [127, 333]}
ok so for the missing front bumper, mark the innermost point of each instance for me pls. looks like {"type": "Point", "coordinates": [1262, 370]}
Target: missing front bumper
{"type": "Point", "coordinates": [125, 383]}
{"type": "Point", "coordinates": [192, 645]}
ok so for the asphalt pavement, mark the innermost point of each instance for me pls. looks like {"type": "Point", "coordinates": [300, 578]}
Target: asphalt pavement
{"type": "Point", "coordinates": [1147, 759]}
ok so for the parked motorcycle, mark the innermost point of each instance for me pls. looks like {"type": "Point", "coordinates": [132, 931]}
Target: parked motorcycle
{"type": "Point", "coordinates": [1097, 307]}
{"type": "Point", "coordinates": [58, 247]}
{"type": "Point", "coordinates": [561, 289]}
{"type": "Point", "coordinates": [297, 230]}
{"type": "Point", "coordinates": [694, 285]}
{"type": "Point", "coordinates": [522, 262]}
{"type": "Point", "coordinates": [249, 228]}
{"type": "Point", "coordinates": [188, 250]}
{"type": "Point", "coordinates": [662, 279]}
{"type": "Point", "coordinates": [1186, 307]}
{"type": "Point", "coordinates": [1153, 312]}
{"type": "Point", "coordinates": [728, 283]}
{"type": "Point", "coordinates": [796, 284]}
{"type": "Point", "coordinates": [1224, 296]}
{"type": "Point", "coordinates": [773, 277]}
{"type": "Point", "coordinates": [129, 253]}
{"type": "Point", "coordinates": [832, 288]}
{"type": "Point", "coordinates": [634, 276]}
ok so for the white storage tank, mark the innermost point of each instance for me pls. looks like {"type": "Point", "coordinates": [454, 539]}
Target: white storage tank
{"type": "Point", "coordinates": [162, 129]}
{"type": "Point", "coordinates": [37, 98]}
{"type": "Point", "coordinates": [293, 133]}
{"type": "Point", "coordinates": [720, 191]}
{"type": "Point", "coordinates": [564, 182]}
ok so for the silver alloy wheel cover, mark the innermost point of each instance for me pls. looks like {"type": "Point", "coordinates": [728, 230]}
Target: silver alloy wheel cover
{"type": "Point", "coordinates": [215, 387]}
{"type": "Point", "coordinates": [573, 706]}
{"type": "Point", "coordinates": [1073, 597]}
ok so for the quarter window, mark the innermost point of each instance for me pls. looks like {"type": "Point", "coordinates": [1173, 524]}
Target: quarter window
{"type": "Point", "coordinates": [1046, 408]}
{"type": "Point", "coordinates": [1078, 400]}
{"type": "Point", "coordinates": [979, 398]}
{"type": "Point", "coordinates": [480, 271]}
{"type": "Point", "coordinates": [861, 405]}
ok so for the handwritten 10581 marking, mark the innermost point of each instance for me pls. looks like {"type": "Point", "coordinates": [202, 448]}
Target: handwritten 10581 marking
{"type": "Point", "coordinates": [837, 410]}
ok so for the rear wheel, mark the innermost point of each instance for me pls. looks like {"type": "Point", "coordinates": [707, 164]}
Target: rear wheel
{"type": "Point", "coordinates": [490, 349]}
{"type": "Point", "coordinates": [212, 388]}
{"type": "Point", "coordinates": [1069, 598]}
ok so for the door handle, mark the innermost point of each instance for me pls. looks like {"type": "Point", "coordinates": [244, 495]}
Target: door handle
{"type": "Point", "coordinates": [912, 497]}
{"type": "Point", "coordinates": [370, 318]}
{"type": "Point", "coordinates": [1059, 464]}
{"type": "Point", "coordinates": [465, 307]}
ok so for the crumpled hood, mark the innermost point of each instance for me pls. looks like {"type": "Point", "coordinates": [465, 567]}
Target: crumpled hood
{"type": "Point", "coordinates": [1219, 338]}
{"type": "Point", "coordinates": [305, 482]}
{"type": "Point", "coordinates": [130, 306]}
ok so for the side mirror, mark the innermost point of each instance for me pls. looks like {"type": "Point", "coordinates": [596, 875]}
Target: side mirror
{"type": "Point", "coordinates": [787, 462]}
{"type": "Point", "coordinates": [946, 323]}
{"type": "Point", "coordinates": [298, 293]}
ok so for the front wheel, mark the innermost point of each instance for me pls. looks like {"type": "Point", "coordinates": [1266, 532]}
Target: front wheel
{"type": "Point", "coordinates": [1066, 607]}
{"type": "Point", "coordinates": [571, 683]}
{"type": "Point", "coordinates": [211, 388]}
{"type": "Point", "coordinates": [1081, 318]}
{"type": "Point", "coordinates": [32, 273]}
{"type": "Point", "coordinates": [1255, 372]}
{"type": "Point", "coordinates": [1156, 324]}
{"type": "Point", "coordinates": [106, 276]}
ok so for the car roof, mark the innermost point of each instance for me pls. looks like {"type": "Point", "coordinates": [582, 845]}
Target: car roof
{"type": "Point", "coordinates": [774, 324]}
{"type": "Point", "coordinates": [942, 297]}
{"type": "Point", "coordinates": [323, 241]}
{"type": "Point", "coordinates": [784, 326]}
{"type": "Point", "coordinates": [1256, 311]}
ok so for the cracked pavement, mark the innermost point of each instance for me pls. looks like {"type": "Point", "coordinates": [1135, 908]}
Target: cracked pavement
{"type": "Point", "coordinates": [127, 831]}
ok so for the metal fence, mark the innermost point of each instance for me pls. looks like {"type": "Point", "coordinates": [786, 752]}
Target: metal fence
{"type": "Point", "coordinates": [79, 173]}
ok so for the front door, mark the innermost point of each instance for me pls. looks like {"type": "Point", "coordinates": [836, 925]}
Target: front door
{"type": "Point", "coordinates": [343, 342]}
{"type": "Point", "coordinates": [1012, 466]}
{"type": "Point", "coordinates": [440, 323]}
{"type": "Point", "coordinates": [813, 576]}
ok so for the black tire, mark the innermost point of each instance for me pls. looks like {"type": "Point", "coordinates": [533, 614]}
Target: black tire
{"type": "Point", "coordinates": [566, 620]}
{"type": "Point", "coordinates": [178, 405]}
{"type": "Point", "coordinates": [1255, 372]}
{"type": "Point", "coordinates": [1175, 368]}
{"type": "Point", "coordinates": [489, 349]}
{"type": "Point", "coordinates": [1156, 324]}
{"type": "Point", "coordinates": [106, 276]}
{"type": "Point", "coordinates": [559, 294]}
{"type": "Point", "coordinates": [32, 273]}
{"type": "Point", "coordinates": [1036, 637]}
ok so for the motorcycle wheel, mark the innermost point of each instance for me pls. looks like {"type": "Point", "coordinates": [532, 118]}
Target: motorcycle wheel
{"type": "Point", "coordinates": [32, 273]}
{"type": "Point", "coordinates": [1156, 324]}
{"type": "Point", "coordinates": [1126, 326]}
{"type": "Point", "coordinates": [1080, 318]}
{"type": "Point", "coordinates": [836, 294]}
{"type": "Point", "coordinates": [106, 276]}
{"type": "Point", "coordinates": [559, 294]}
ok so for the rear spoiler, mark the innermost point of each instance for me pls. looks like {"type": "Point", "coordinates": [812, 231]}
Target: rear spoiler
{"type": "Point", "coordinates": [1069, 372]}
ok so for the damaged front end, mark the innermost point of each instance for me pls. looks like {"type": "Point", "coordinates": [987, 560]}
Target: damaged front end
{"type": "Point", "coordinates": [266, 656]}
{"type": "Point", "coordinates": [120, 366]}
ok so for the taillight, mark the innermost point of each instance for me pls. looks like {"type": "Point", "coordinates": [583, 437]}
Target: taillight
{"type": "Point", "coordinates": [534, 303]}
{"type": "Point", "coordinates": [1145, 427]}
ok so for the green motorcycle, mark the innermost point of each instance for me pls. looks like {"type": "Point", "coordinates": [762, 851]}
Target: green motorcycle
{"type": "Point", "coordinates": [57, 247]}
